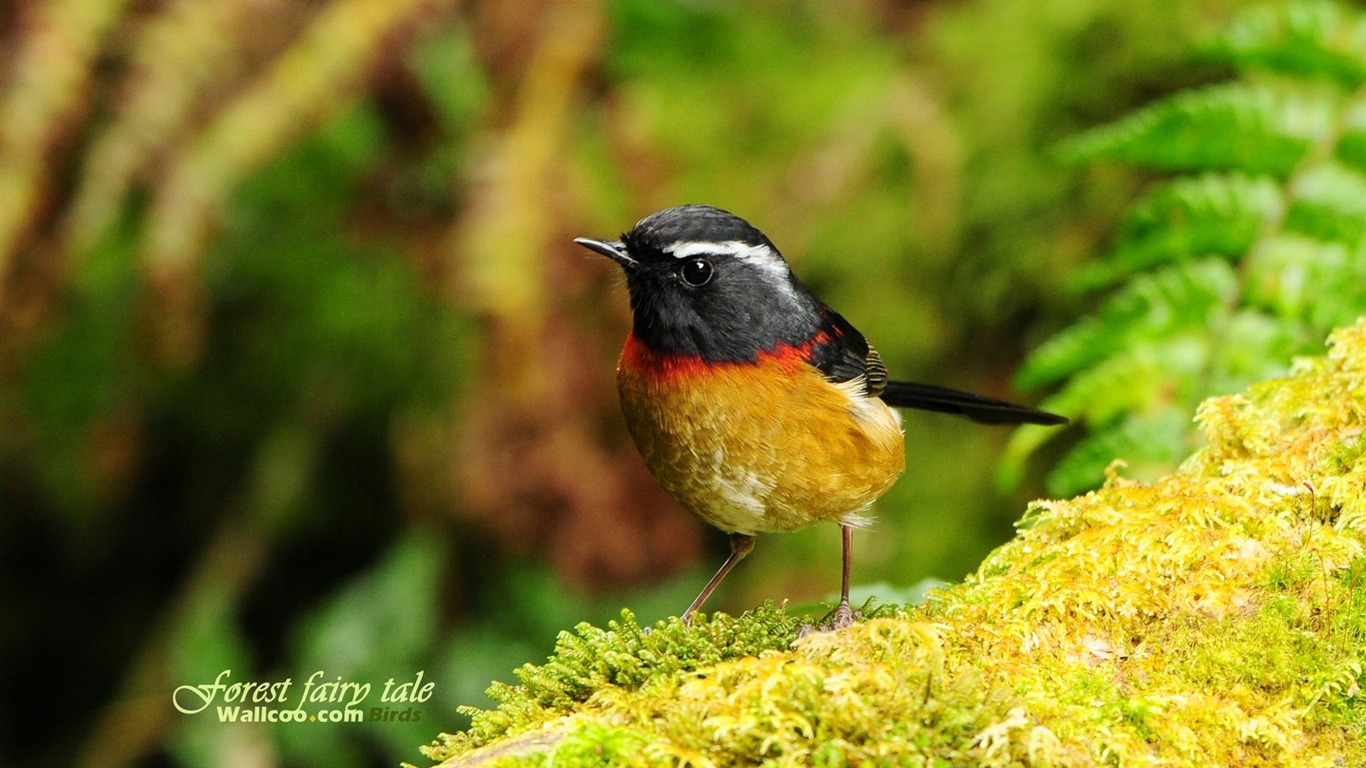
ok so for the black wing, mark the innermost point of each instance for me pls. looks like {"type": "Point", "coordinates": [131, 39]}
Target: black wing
{"type": "Point", "coordinates": [845, 354]}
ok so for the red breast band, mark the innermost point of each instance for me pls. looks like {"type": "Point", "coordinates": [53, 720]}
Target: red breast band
{"type": "Point", "coordinates": [636, 357]}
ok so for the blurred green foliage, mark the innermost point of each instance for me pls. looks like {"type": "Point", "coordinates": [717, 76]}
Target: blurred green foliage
{"type": "Point", "coordinates": [299, 369]}
{"type": "Point", "coordinates": [1218, 277]}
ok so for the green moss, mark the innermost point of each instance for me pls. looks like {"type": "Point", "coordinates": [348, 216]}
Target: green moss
{"type": "Point", "coordinates": [1214, 617]}
{"type": "Point", "coordinates": [624, 656]}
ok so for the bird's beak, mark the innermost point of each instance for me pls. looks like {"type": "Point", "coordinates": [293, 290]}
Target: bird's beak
{"type": "Point", "coordinates": [612, 249]}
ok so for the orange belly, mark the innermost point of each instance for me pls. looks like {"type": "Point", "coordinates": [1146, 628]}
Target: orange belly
{"type": "Point", "coordinates": [762, 447]}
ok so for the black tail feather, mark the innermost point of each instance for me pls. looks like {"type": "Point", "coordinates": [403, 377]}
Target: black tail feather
{"type": "Point", "coordinates": [927, 397]}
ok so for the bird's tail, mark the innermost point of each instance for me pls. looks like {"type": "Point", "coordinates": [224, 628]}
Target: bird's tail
{"type": "Point", "coordinates": [927, 397]}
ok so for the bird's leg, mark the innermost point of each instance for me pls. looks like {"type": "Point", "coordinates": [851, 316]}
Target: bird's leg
{"type": "Point", "coordinates": [844, 615]}
{"type": "Point", "coordinates": [741, 544]}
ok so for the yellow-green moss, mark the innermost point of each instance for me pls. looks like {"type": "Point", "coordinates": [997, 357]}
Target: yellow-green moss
{"type": "Point", "coordinates": [1215, 618]}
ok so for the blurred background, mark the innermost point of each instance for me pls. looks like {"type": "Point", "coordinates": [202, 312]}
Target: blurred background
{"type": "Point", "coordinates": [299, 369]}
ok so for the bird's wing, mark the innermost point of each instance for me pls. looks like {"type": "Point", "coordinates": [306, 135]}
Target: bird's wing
{"type": "Point", "coordinates": [844, 354]}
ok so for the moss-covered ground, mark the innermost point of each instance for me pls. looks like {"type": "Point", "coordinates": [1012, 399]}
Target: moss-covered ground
{"type": "Point", "coordinates": [1214, 618]}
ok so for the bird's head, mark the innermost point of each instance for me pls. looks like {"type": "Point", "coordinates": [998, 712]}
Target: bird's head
{"type": "Point", "coordinates": [705, 283]}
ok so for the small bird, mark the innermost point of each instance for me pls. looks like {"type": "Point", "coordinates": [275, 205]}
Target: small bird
{"type": "Point", "coordinates": [756, 406]}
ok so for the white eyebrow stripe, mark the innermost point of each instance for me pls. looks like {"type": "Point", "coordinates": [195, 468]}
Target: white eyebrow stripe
{"type": "Point", "coordinates": [760, 255]}
{"type": "Point", "coordinates": [727, 247]}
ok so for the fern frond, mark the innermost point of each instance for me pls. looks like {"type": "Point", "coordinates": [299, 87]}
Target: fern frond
{"type": "Point", "coordinates": [1252, 346]}
{"type": "Point", "coordinates": [1351, 147]}
{"type": "Point", "coordinates": [1134, 379]}
{"type": "Point", "coordinates": [1345, 271]}
{"type": "Point", "coordinates": [1305, 40]}
{"type": "Point", "coordinates": [1153, 306]}
{"type": "Point", "coordinates": [1330, 205]}
{"type": "Point", "coordinates": [1260, 130]}
{"type": "Point", "coordinates": [1149, 444]}
{"type": "Point", "coordinates": [1222, 276]}
{"type": "Point", "coordinates": [1211, 214]}
{"type": "Point", "coordinates": [1301, 279]}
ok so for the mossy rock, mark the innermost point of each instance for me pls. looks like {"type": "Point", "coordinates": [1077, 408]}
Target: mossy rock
{"type": "Point", "coordinates": [1216, 618]}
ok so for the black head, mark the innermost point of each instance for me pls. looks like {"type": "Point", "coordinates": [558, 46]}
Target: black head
{"type": "Point", "coordinates": [704, 282]}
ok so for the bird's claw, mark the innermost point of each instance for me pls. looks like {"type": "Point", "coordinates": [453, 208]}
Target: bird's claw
{"type": "Point", "coordinates": [843, 616]}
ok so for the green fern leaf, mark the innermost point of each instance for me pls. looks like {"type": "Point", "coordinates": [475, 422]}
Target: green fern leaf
{"type": "Point", "coordinates": [1134, 379]}
{"type": "Point", "coordinates": [1232, 127]}
{"type": "Point", "coordinates": [1222, 278]}
{"type": "Point", "coordinates": [1351, 148]}
{"type": "Point", "coordinates": [1306, 40]}
{"type": "Point", "coordinates": [1211, 214]}
{"type": "Point", "coordinates": [1152, 306]}
{"type": "Point", "coordinates": [1253, 346]}
{"type": "Point", "coordinates": [1149, 444]}
{"type": "Point", "coordinates": [1338, 286]}
{"type": "Point", "coordinates": [1319, 284]}
{"type": "Point", "coordinates": [1330, 205]}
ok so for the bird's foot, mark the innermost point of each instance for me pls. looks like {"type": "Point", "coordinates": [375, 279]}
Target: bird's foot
{"type": "Point", "coordinates": [843, 616]}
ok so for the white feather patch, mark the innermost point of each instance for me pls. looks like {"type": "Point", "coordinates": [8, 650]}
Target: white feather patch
{"type": "Point", "coordinates": [879, 421]}
{"type": "Point", "coordinates": [759, 255]}
{"type": "Point", "coordinates": [746, 493]}
{"type": "Point", "coordinates": [858, 519]}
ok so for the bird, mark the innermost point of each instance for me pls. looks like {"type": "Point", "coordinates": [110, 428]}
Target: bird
{"type": "Point", "coordinates": [755, 405]}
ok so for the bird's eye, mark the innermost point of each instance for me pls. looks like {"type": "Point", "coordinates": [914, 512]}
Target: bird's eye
{"type": "Point", "coordinates": [696, 272]}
